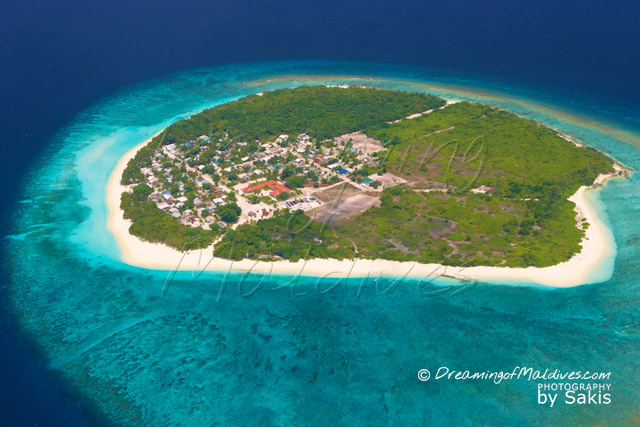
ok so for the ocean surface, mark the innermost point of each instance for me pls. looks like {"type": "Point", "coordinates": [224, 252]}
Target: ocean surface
{"type": "Point", "coordinates": [224, 349]}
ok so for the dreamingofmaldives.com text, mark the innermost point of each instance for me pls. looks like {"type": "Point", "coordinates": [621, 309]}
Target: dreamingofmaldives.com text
{"type": "Point", "coordinates": [528, 373]}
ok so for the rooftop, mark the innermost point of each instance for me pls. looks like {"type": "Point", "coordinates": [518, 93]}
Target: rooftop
{"type": "Point", "coordinates": [275, 187]}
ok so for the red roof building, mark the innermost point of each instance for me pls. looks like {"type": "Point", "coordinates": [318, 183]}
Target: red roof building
{"type": "Point", "coordinates": [276, 189]}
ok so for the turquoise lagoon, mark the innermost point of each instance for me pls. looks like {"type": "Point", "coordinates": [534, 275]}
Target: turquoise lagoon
{"type": "Point", "coordinates": [298, 351]}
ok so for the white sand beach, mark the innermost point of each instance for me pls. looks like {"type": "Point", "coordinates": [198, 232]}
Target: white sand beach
{"type": "Point", "coordinates": [593, 264]}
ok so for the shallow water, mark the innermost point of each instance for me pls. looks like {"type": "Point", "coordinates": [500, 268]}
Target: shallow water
{"type": "Point", "coordinates": [204, 354]}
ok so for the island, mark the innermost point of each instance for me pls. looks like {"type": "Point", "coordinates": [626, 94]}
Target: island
{"type": "Point", "coordinates": [347, 173]}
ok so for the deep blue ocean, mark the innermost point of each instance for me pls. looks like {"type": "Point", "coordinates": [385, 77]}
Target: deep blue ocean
{"type": "Point", "coordinates": [83, 335]}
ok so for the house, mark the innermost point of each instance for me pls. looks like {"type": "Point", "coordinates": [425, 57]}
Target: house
{"type": "Point", "coordinates": [343, 171]}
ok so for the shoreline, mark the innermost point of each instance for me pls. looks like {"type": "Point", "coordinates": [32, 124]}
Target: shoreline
{"type": "Point", "coordinates": [594, 263]}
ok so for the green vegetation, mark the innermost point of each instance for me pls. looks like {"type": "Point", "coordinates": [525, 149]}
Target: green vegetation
{"type": "Point", "coordinates": [474, 229]}
{"type": "Point", "coordinates": [287, 235]}
{"type": "Point", "coordinates": [471, 229]}
{"type": "Point", "coordinates": [467, 184]}
{"type": "Point", "coordinates": [466, 145]}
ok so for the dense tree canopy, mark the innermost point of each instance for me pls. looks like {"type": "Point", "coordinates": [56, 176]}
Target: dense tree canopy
{"type": "Point", "coordinates": [229, 213]}
{"type": "Point", "coordinates": [320, 111]}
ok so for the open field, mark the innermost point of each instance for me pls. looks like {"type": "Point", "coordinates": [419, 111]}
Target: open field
{"type": "Point", "coordinates": [342, 209]}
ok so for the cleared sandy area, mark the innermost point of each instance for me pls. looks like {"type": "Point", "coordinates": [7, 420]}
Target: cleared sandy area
{"type": "Point", "coordinates": [593, 264]}
{"type": "Point", "coordinates": [343, 208]}
{"type": "Point", "coordinates": [361, 142]}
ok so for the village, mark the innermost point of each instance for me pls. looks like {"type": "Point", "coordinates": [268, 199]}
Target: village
{"type": "Point", "coordinates": [225, 180]}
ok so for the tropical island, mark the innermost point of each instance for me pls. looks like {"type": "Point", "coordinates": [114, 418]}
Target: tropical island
{"type": "Point", "coordinates": [347, 173]}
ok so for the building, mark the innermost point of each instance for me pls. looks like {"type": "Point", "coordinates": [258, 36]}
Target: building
{"type": "Point", "coordinates": [276, 188]}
